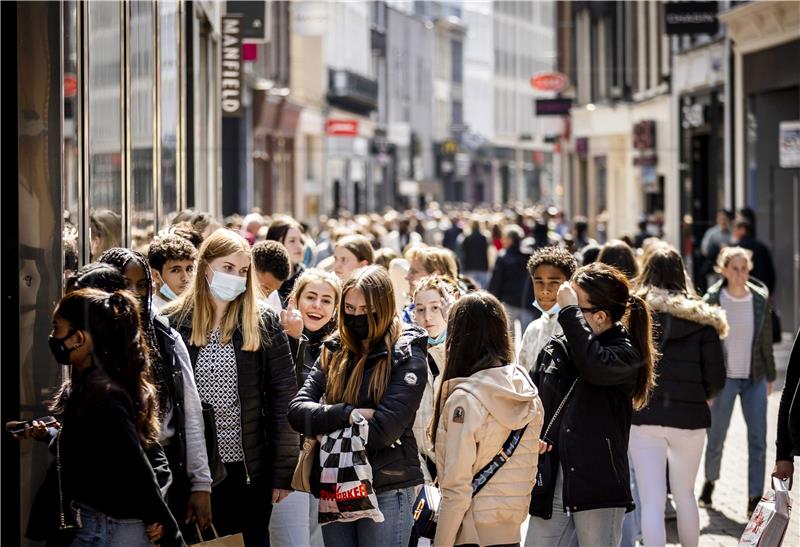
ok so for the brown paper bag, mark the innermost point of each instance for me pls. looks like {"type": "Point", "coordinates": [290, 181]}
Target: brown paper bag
{"type": "Point", "coordinates": [233, 540]}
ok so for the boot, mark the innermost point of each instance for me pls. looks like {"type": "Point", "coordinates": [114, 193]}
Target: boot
{"type": "Point", "coordinates": [705, 495]}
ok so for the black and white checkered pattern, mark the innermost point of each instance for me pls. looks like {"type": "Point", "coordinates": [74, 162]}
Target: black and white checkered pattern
{"type": "Point", "coordinates": [346, 492]}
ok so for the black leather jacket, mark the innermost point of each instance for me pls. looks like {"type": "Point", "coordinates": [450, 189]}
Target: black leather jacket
{"type": "Point", "coordinates": [590, 437]}
{"type": "Point", "coordinates": [266, 385]}
{"type": "Point", "coordinates": [391, 447]}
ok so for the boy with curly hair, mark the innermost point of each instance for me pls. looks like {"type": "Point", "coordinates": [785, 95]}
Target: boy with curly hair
{"type": "Point", "coordinates": [171, 259]}
{"type": "Point", "coordinates": [548, 267]}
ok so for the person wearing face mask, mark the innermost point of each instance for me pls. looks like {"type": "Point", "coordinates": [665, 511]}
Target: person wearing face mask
{"type": "Point", "coordinates": [101, 488]}
{"type": "Point", "coordinates": [180, 411]}
{"type": "Point", "coordinates": [432, 298]}
{"type": "Point", "coordinates": [314, 299]}
{"type": "Point", "coordinates": [171, 259]}
{"type": "Point", "coordinates": [243, 369]}
{"type": "Point", "coordinates": [548, 267]}
{"type": "Point", "coordinates": [374, 367]}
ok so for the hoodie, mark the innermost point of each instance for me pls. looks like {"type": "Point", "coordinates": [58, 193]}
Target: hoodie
{"type": "Point", "coordinates": [477, 415]}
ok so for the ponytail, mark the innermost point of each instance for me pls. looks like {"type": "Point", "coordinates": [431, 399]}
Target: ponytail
{"type": "Point", "coordinates": [640, 326]}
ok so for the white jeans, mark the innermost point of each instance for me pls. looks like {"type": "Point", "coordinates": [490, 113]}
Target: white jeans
{"type": "Point", "coordinates": [652, 446]}
{"type": "Point", "coordinates": [295, 522]}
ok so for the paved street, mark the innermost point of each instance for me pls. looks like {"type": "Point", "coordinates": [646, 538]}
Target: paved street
{"type": "Point", "coordinates": [723, 525]}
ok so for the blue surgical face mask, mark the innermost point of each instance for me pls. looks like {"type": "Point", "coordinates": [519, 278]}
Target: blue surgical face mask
{"type": "Point", "coordinates": [226, 287]}
{"type": "Point", "coordinates": [552, 311]}
{"type": "Point", "coordinates": [439, 339]}
{"type": "Point", "coordinates": [167, 293]}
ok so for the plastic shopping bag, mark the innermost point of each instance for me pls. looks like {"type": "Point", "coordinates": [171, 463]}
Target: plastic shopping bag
{"type": "Point", "coordinates": [769, 521]}
{"type": "Point", "coordinates": [346, 492]}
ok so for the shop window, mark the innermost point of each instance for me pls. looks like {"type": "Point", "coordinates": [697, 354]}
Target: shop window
{"type": "Point", "coordinates": [169, 103]}
{"type": "Point", "coordinates": [71, 176]}
{"type": "Point", "coordinates": [105, 125]}
{"type": "Point", "coordinates": [142, 83]}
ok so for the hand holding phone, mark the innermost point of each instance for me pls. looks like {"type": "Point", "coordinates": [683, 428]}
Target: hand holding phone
{"type": "Point", "coordinates": [35, 428]}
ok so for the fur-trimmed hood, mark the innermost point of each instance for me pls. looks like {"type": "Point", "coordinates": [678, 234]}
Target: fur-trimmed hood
{"type": "Point", "coordinates": [681, 307]}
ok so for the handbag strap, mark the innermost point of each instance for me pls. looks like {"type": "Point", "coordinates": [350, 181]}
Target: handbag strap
{"type": "Point", "coordinates": [487, 472]}
{"type": "Point", "coordinates": [560, 407]}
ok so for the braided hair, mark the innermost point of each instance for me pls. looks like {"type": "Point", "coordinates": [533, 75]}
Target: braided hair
{"type": "Point", "coordinates": [120, 257]}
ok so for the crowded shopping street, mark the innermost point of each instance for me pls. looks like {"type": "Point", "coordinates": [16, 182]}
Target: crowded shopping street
{"type": "Point", "coordinates": [395, 273]}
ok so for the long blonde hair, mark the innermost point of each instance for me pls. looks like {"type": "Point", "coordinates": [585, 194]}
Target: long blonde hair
{"type": "Point", "coordinates": [343, 386]}
{"type": "Point", "coordinates": [242, 313]}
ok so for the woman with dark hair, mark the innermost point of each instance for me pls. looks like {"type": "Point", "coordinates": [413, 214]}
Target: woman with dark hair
{"type": "Point", "coordinates": [484, 398]}
{"type": "Point", "coordinates": [288, 231]}
{"type": "Point", "coordinates": [596, 373]}
{"type": "Point", "coordinates": [374, 368]}
{"type": "Point", "coordinates": [671, 429]}
{"type": "Point", "coordinates": [619, 254]}
{"type": "Point", "coordinates": [180, 410]}
{"type": "Point", "coordinates": [96, 275]}
{"type": "Point", "coordinates": [105, 231]}
{"type": "Point", "coordinates": [102, 484]}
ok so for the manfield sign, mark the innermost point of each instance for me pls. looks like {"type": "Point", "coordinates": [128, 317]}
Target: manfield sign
{"type": "Point", "coordinates": [231, 66]}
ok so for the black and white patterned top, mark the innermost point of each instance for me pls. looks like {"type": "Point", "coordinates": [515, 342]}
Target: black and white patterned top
{"type": "Point", "coordinates": [217, 384]}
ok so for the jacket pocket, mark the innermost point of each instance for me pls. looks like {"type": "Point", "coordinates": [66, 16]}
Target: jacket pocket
{"type": "Point", "coordinates": [611, 459]}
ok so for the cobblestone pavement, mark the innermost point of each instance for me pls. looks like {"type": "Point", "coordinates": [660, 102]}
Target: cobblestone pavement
{"type": "Point", "coordinates": [724, 523]}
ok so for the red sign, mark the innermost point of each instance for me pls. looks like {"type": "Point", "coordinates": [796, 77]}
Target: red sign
{"type": "Point", "coordinates": [342, 128]}
{"type": "Point", "coordinates": [249, 52]}
{"type": "Point", "coordinates": [549, 81]}
{"type": "Point", "coordinates": [70, 85]}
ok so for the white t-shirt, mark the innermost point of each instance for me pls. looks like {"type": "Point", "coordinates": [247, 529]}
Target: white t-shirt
{"type": "Point", "coordinates": [535, 339]}
{"type": "Point", "coordinates": [739, 343]}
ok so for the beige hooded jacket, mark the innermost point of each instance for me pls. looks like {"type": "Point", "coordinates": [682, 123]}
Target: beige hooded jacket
{"type": "Point", "coordinates": [477, 416]}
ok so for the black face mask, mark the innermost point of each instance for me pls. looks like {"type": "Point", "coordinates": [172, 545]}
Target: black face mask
{"type": "Point", "coordinates": [358, 325]}
{"type": "Point", "coordinates": [61, 352]}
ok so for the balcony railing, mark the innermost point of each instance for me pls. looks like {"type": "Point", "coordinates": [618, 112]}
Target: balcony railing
{"type": "Point", "coordinates": [352, 91]}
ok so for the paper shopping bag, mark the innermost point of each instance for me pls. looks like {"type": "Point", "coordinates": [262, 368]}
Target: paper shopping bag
{"type": "Point", "coordinates": [233, 540]}
{"type": "Point", "coordinates": [769, 521]}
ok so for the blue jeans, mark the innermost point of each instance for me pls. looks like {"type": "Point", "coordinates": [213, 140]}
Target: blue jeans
{"type": "Point", "coordinates": [99, 530]}
{"type": "Point", "coordinates": [754, 406]}
{"type": "Point", "coordinates": [632, 523]}
{"type": "Point", "coordinates": [295, 521]}
{"type": "Point", "coordinates": [394, 531]}
{"type": "Point", "coordinates": [481, 278]}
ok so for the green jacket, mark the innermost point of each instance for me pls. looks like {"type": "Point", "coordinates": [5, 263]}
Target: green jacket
{"type": "Point", "coordinates": [762, 362]}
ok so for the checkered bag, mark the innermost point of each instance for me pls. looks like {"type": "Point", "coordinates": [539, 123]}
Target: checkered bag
{"type": "Point", "coordinates": [346, 492]}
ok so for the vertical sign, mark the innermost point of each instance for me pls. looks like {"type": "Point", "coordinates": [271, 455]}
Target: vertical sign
{"type": "Point", "coordinates": [231, 66]}
{"type": "Point", "coordinates": [789, 144]}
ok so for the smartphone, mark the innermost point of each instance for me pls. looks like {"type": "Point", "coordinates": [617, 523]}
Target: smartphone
{"type": "Point", "coordinates": [20, 427]}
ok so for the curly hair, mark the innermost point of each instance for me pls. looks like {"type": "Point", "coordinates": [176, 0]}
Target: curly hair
{"type": "Point", "coordinates": [169, 247]}
{"type": "Point", "coordinates": [271, 257]}
{"type": "Point", "coordinates": [553, 256]}
{"type": "Point", "coordinates": [444, 285]}
{"type": "Point", "coordinates": [187, 232]}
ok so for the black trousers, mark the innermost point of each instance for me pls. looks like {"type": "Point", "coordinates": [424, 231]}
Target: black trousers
{"type": "Point", "coordinates": [238, 507]}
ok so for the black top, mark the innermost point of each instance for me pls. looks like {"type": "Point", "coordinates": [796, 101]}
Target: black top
{"type": "Point", "coordinates": [510, 276]}
{"type": "Point", "coordinates": [590, 437]}
{"type": "Point", "coordinates": [394, 464]}
{"type": "Point", "coordinates": [103, 463]}
{"type": "Point", "coordinates": [286, 287]}
{"type": "Point", "coordinates": [787, 443]}
{"type": "Point", "coordinates": [475, 252]}
{"type": "Point", "coordinates": [763, 266]}
{"type": "Point", "coordinates": [691, 371]}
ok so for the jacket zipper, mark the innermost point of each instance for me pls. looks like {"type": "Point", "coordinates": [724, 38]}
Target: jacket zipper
{"type": "Point", "coordinates": [60, 490]}
{"type": "Point", "coordinates": [611, 457]}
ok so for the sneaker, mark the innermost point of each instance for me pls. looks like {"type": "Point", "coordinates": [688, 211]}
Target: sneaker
{"type": "Point", "coordinates": [752, 503]}
{"type": "Point", "coordinates": [669, 510]}
{"type": "Point", "coordinates": [705, 495]}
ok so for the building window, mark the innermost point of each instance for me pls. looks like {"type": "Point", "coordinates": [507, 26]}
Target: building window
{"type": "Point", "coordinates": [456, 56]}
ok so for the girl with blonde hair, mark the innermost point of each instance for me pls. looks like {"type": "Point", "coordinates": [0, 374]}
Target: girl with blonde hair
{"type": "Point", "coordinates": [243, 369]}
{"type": "Point", "coordinates": [374, 367]}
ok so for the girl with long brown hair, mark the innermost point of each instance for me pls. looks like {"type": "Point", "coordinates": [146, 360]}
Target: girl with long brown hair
{"type": "Point", "coordinates": [243, 368]}
{"type": "Point", "coordinates": [374, 367]}
{"type": "Point", "coordinates": [591, 379]}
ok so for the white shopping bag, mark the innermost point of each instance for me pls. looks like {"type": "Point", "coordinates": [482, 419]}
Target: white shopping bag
{"type": "Point", "coordinates": [769, 521]}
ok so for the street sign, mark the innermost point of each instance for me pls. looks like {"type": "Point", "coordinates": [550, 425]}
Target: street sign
{"type": "Point", "coordinates": [231, 66]}
{"type": "Point", "coordinates": [789, 144]}
{"type": "Point", "coordinates": [552, 107]}
{"type": "Point", "coordinates": [341, 128]}
{"type": "Point", "coordinates": [691, 17]}
{"type": "Point", "coordinates": [549, 81]}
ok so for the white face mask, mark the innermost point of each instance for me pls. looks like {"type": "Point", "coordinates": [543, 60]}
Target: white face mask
{"type": "Point", "coordinates": [168, 293]}
{"type": "Point", "coordinates": [552, 311]}
{"type": "Point", "coordinates": [226, 287]}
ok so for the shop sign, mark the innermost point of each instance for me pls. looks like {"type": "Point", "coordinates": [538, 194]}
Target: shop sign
{"type": "Point", "coordinates": [341, 128]}
{"type": "Point", "coordinates": [552, 107]}
{"type": "Point", "coordinates": [255, 19]}
{"type": "Point", "coordinates": [549, 81]}
{"type": "Point", "coordinates": [231, 66]}
{"type": "Point", "coordinates": [789, 144]}
{"type": "Point", "coordinates": [309, 18]}
{"type": "Point", "coordinates": [449, 147]}
{"type": "Point", "coordinates": [691, 18]}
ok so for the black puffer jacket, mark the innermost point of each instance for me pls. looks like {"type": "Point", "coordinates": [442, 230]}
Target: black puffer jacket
{"type": "Point", "coordinates": [306, 350]}
{"type": "Point", "coordinates": [590, 437]}
{"type": "Point", "coordinates": [266, 385]}
{"type": "Point", "coordinates": [394, 464]}
{"type": "Point", "coordinates": [787, 443]}
{"type": "Point", "coordinates": [692, 365]}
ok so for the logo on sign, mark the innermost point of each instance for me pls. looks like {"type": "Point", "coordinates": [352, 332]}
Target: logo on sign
{"type": "Point", "coordinates": [549, 81]}
{"type": "Point", "coordinates": [231, 66]}
{"type": "Point", "coordinates": [346, 128]}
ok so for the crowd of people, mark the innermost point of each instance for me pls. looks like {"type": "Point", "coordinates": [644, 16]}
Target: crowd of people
{"type": "Point", "coordinates": [553, 389]}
